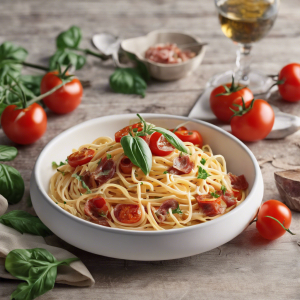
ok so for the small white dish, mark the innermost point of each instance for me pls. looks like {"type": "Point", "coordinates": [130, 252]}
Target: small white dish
{"type": "Point", "coordinates": [135, 48]}
{"type": "Point", "coordinates": [150, 245]}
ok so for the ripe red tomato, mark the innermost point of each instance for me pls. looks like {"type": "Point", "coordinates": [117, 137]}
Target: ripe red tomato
{"type": "Point", "coordinates": [65, 99]}
{"type": "Point", "coordinates": [81, 157]}
{"type": "Point", "coordinates": [127, 213]}
{"type": "Point", "coordinates": [24, 126]}
{"type": "Point", "coordinates": [125, 131]}
{"type": "Point", "coordinates": [159, 145]}
{"type": "Point", "coordinates": [126, 165]}
{"type": "Point", "coordinates": [255, 124]}
{"type": "Point", "coordinates": [192, 136]}
{"type": "Point", "coordinates": [220, 105]}
{"type": "Point", "coordinates": [290, 88]}
{"type": "Point", "coordinates": [179, 128]}
{"type": "Point", "coordinates": [268, 227]}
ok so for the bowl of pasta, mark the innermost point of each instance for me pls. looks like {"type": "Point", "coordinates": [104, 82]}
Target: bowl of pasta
{"type": "Point", "coordinates": [150, 187]}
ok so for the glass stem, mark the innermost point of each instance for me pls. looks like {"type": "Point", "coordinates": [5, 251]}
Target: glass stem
{"type": "Point", "coordinates": [243, 61]}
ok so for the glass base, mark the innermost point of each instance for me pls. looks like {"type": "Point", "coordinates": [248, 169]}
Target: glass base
{"type": "Point", "coordinates": [258, 83]}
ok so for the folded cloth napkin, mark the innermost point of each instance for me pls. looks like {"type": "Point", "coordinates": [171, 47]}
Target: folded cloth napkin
{"type": "Point", "coordinates": [76, 274]}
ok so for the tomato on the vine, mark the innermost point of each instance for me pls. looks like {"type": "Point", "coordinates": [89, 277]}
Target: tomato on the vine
{"type": "Point", "coordinates": [24, 126]}
{"type": "Point", "coordinates": [81, 157]}
{"type": "Point", "coordinates": [192, 136]}
{"type": "Point", "coordinates": [289, 82]}
{"type": "Point", "coordinates": [66, 98]}
{"type": "Point", "coordinates": [159, 145]}
{"type": "Point", "coordinates": [253, 122]}
{"type": "Point", "coordinates": [223, 97]}
{"type": "Point", "coordinates": [268, 227]}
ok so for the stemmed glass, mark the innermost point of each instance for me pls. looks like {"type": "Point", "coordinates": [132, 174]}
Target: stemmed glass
{"type": "Point", "coordinates": [246, 22]}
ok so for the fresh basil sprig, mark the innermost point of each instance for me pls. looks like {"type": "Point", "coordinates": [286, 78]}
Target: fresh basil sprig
{"type": "Point", "coordinates": [25, 223]}
{"type": "Point", "coordinates": [38, 267]}
{"type": "Point", "coordinates": [137, 150]}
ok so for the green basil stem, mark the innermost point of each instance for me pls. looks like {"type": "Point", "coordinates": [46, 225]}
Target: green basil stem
{"type": "Point", "coordinates": [88, 51]}
{"type": "Point", "coordinates": [40, 97]}
{"type": "Point", "coordinates": [34, 66]}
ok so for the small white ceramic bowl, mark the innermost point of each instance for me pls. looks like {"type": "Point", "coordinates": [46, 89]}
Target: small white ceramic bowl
{"type": "Point", "coordinates": [136, 245]}
{"type": "Point", "coordinates": [135, 48]}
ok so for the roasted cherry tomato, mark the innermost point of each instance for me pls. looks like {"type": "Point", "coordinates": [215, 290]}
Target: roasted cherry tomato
{"type": "Point", "coordinates": [127, 213]}
{"type": "Point", "coordinates": [221, 100]}
{"type": "Point", "coordinates": [65, 99]}
{"type": "Point", "coordinates": [159, 145]}
{"type": "Point", "coordinates": [192, 136]}
{"type": "Point", "coordinates": [126, 165]}
{"type": "Point", "coordinates": [289, 88]}
{"type": "Point", "coordinates": [81, 157]}
{"type": "Point", "coordinates": [255, 124]}
{"type": "Point", "coordinates": [269, 228]}
{"type": "Point", "coordinates": [125, 131]}
{"type": "Point", "coordinates": [24, 126]}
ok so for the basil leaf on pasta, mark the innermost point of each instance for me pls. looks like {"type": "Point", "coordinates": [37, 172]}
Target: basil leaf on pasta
{"type": "Point", "coordinates": [137, 150]}
{"type": "Point", "coordinates": [172, 139]}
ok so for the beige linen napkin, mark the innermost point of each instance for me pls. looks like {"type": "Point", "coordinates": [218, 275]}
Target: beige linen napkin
{"type": "Point", "coordinates": [76, 274]}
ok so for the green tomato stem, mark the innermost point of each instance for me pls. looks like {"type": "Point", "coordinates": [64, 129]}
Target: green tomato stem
{"type": "Point", "coordinates": [35, 66]}
{"type": "Point", "coordinates": [88, 51]}
{"type": "Point", "coordinates": [286, 229]}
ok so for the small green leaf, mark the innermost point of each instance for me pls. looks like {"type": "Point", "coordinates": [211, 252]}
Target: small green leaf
{"type": "Point", "coordinates": [223, 189]}
{"type": "Point", "coordinates": [165, 172]}
{"type": "Point", "coordinates": [55, 165]}
{"type": "Point", "coordinates": [172, 139]}
{"type": "Point", "coordinates": [25, 223]}
{"type": "Point", "coordinates": [203, 161]}
{"type": "Point", "coordinates": [177, 210]}
{"type": "Point", "coordinates": [7, 153]}
{"type": "Point", "coordinates": [138, 151]}
{"type": "Point", "coordinates": [202, 173]}
{"type": "Point", "coordinates": [65, 57]}
{"type": "Point", "coordinates": [127, 81]}
{"type": "Point", "coordinates": [11, 184]}
{"type": "Point", "coordinates": [99, 162]}
{"type": "Point", "coordinates": [69, 39]}
{"type": "Point", "coordinates": [79, 178]}
{"type": "Point", "coordinates": [215, 195]}
{"type": "Point", "coordinates": [108, 156]}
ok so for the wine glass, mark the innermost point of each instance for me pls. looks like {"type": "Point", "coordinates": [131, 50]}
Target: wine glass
{"type": "Point", "coordinates": [246, 22]}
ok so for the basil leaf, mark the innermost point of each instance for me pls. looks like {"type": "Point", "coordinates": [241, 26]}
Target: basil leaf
{"type": "Point", "coordinates": [202, 173]}
{"type": "Point", "coordinates": [203, 161]}
{"type": "Point", "coordinates": [65, 57]}
{"type": "Point", "coordinates": [7, 153]}
{"type": "Point", "coordinates": [25, 223]}
{"type": "Point", "coordinates": [138, 151]}
{"type": "Point", "coordinates": [79, 178]}
{"type": "Point", "coordinates": [177, 210]}
{"type": "Point", "coordinates": [11, 184]}
{"type": "Point", "coordinates": [2, 107]}
{"type": "Point", "coordinates": [38, 267]}
{"type": "Point", "coordinates": [127, 81]}
{"type": "Point", "coordinates": [215, 195]}
{"type": "Point", "coordinates": [31, 85]}
{"type": "Point", "coordinates": [172, 139]}
{"type": "Point", "coordinates": [69, 39]}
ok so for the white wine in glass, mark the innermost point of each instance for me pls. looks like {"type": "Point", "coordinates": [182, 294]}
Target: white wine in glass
{"type": "Point", "coordinates": [246, 22]}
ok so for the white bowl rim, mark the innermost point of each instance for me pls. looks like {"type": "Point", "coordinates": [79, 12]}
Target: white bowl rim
{"type": "Point", "coordinates": [167, 31]}
{"type": "Point", "coordinates": [136, 232]}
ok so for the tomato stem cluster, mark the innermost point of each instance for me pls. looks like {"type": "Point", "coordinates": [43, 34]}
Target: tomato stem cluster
{"type": "Point", "coordinates": [233, 88]}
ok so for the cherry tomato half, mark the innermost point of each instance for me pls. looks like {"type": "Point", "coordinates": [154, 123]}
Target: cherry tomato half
{"type": "Point", "coordinates": [192, 136]}
{"type": "Point", "coordinates": [290, 88]}
{"type": "Point", "coordinates": [159, 145]}
{"type": "Point", "coordinates": [254, 125]}
{"type": "Point", "coordinates": [81, 157]}
{"type": "Point", "coordinates": [24, 126]}
{"type": "Point", "coordinates": [268, 227]}
{"type": "Point", "coordinates": [65, 99]}
{"type": "Point", "coordinates": [127, 213]}
{"type": "Point", "coordinates": [125, 131]}
{"type": "Point", "coordinates": [220, 105]}
{"type": "Point", "coordinates": [126, 165]}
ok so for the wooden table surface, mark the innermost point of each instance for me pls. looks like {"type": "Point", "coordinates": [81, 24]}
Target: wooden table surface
{"type": "Point", "coordinates": [248, 267]}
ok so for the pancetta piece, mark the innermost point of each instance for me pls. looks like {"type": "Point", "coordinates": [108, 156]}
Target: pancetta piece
{"type": "Point", "coordinates": [238, 182]}
{"type": "Point", "coordinates": [97, 210]}
{"type": "Point", "coordinates": [211, 206]}
{"type": "Point", "coordinates": [163, 210]}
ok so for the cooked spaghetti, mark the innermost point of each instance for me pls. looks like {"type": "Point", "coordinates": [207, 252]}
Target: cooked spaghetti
{"type": "Point", "coordinates": [180, 190]}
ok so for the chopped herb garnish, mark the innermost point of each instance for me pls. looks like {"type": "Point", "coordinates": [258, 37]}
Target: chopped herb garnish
{"type": "Point", "coordinates": [177, 210]}
{"type": "Point", "coordinates": [99, 162]}
{"type": "Point", "coordinates": [203, 161]}
{"type": "Point", "coordinates": [80, 193]}
{"type": "Point", "coordinates": [56, 202]}
{"type": "Point", "coordinates": [79, 178]}
{"type": "Point", "coordinates": [215, 195]}
{"type": "Point", "coordinates": [190, 133]}
{"type": "Point", "coordinates": [166, 172]}
{"type": "Point", "coordinates": [142, 183]}
{"type": "Point", "coordinates": [65, 202]}
{"type": "Point", "coordinates": [202, 174]}
{"type": "Point", "coordinates": [223, 189]}
{"type": "Point", "coordinates": [55, 165]}
{"type": "Point", "coordinates": [102, 214]}
{"type": "Point", "coordinates": [62, 172]}
{"type": "Point", "coordinates": [108, 155]}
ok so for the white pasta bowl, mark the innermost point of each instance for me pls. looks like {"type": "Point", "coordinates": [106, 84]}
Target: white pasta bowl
{"type": "Point", "coordinates": [136, 48]}
{"type": "Point", "coordinates": [148, 245]}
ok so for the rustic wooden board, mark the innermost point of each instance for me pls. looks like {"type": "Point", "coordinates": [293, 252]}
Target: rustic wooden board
{"type": "Point", "coordinates": [248, 267]}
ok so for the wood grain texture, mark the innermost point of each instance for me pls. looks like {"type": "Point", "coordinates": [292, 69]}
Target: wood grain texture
{"type": "Point", "coordinates": [247, 267]}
